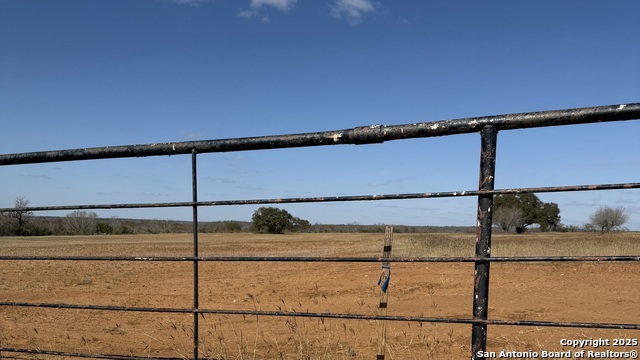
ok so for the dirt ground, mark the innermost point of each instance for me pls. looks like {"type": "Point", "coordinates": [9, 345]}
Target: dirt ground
{"type": "Point", "coordinates": [568, 292]}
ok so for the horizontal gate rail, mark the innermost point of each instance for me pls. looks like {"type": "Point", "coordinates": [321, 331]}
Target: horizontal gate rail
{"type": "Point", "coordinates": [356, 136]}
{"type": "Point", "coordinates": [326, 259]}
{"type": "Point", "coordinates": [83, 355]}
{"type": "Point", "coordinates": [420, 319]}
{"type": "Point", "coordinates": [487, 126]}
{"type": "Point", "coordinates": [428, 195]}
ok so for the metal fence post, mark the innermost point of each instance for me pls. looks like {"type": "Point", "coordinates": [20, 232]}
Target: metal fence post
{"type": "Point", "coordinates": [489, 136]}
{"type": "Point", "coordinates": [194, 181]}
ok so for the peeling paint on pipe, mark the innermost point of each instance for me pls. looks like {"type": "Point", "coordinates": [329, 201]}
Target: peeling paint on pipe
{"type": "Point", "coordinates": [355, 136]}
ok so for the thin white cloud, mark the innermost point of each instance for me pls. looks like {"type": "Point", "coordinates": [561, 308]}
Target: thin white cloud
{"type": "Point", "coordinates": [250, 188]}
{"type": "Point", "coordinates": [189, 2]}
{"type": "Point", "coordinates": [628, 200]}
{"type": "Point", "coordinates": [257, 8]}
{"type": "Point", "coordinates": [36, 176]}
{"type": "Point", "coordinates": [580, 203]}
{"type": "Point", "coordinates": [154, 194]}
{"type": "Point", "coordinates": [235, 157]}
{"type": "Point", "coordinates": [282, 5]}
{"type": "Point", "coordinates": [387, 182]}
{"type": "Point", "coordinates": [192, 135]}
{"type": "Point", "coordinates": [223, 180]}
{"type": "Point", "coordinates": [353, 10]}
{"type": "Point", "coordinates": [253, 14]}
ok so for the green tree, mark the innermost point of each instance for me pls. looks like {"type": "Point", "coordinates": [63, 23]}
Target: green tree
{"type": "Point", "coordinates": [549, 217]}
{"type": "Point", "coordinates": [531, 210]}
{"type": "Point", "coordinates": [300, 225]}
{"type": "Point", "coordinates": [104, 228]}
{"type": "Point", "coordinates": [275, 221]}
{"type": "Point", "coordinates": [232, 226]}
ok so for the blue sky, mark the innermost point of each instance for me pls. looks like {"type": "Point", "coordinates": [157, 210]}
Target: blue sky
{"type": "Point", "coordinates": [83, 73]}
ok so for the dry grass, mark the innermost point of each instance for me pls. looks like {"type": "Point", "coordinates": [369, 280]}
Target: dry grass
{"type": "Point", "coordinates": [532, 244]}
{"type": "Point", "coordinates": [440, 290]}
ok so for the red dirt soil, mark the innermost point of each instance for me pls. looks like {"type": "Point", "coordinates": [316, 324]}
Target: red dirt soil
{"type": "Point", "coordinates": [568, 292]}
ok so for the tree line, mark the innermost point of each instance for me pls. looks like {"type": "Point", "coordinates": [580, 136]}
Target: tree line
{"type": "Point", "coordinates": [511, 212]}
{"type": "Point", "coordinates": [22, 222]}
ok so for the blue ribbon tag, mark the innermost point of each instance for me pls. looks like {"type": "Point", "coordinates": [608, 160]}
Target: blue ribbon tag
{"type": "Point", "coordinates": [385, 284]}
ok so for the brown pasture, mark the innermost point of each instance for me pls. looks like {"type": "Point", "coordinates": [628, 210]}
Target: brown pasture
{"type": "Point", "coordinates": [559, 291]}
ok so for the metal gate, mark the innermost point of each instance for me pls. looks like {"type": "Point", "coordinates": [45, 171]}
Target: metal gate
{"type": "Point", "coordinates": [487, 126]}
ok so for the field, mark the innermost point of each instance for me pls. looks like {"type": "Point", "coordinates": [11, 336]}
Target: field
{"type": "Point", "coordinates": [559, 291]}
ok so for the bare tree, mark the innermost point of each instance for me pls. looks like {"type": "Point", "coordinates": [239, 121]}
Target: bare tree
{"type": "Point", "coordinates": [159, 226]}
{"type": "Point", "coordinates": [607, 218]}
{"type": "Point", "coordinates": [21, 214]}
{"type": "Point", "coordinates": [509, 218]}
{"type": "Point", "coordinates": [81, 222]}
{"type": "Point", "coordinates": [118, 225]}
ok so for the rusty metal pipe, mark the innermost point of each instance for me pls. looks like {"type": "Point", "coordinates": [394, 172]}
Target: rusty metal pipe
{"type": "Point", "coordinates": [421, 319]}
{"type": "Point", "coordinates": [355, 136]}
{"type": "Point", "coordinates": [347, 198]}
{"type": "Point", "coordinates": [488, 140]}
{"type": "Point", "coordinates": [452, 259]}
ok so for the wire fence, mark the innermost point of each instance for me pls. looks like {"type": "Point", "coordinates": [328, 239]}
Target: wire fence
{"type": "Point", "coordinates": [488, 128]}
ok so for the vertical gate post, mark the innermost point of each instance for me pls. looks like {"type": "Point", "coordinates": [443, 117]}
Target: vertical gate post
{"type": "Point", "coordinates": [489, 136]}
{"type": "Point", "coordinates": [383, 282]}
{"type": "Point", "coordinates": [194, 182]}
